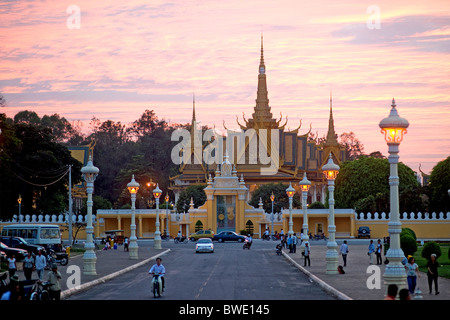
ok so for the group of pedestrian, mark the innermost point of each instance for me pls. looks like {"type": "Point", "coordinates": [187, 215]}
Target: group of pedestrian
{"type": "Point", "coordinates": [392, 291]}
{"type": "Point", "coordinates": [32, 263]}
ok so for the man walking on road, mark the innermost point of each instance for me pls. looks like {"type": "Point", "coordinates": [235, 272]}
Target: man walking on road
{"type": "Point", "coordinates": [306, 254]}
{"type": "Point", "coordinates": [344, 252]}
{"type": "Point", "coordinates": [294, 243]}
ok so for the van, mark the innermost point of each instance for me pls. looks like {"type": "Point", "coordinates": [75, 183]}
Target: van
{"type": "Point", "coordinates": [42, 234]}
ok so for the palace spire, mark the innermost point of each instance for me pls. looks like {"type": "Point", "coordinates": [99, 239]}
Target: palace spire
{"type": "Point", "coordinates": [331, 135]}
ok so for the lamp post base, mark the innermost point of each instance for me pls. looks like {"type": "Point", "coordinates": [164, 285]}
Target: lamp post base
{"type": "Point", "coordinates": [158, 243]}
{"type": "Point", "coordinates": [89, 263]}
{"type": "Point", "coordinates": [332, 258]}
{"type": "Point", "coordinates": [395, 271]}
{"type": "Point", "coordinates": [133, 249]}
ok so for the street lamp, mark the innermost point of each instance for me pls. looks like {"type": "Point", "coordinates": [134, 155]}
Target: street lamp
{"type": "Point", "coordinates": [290, 192]}
{"type": "Point", "coordinates": [89, 173]}
{"type": "Point", "coordinates": [19, 201]}
{"type": "Point", "coordinates": [394, 127]}
{"type": "Point", "coordinates": [272, 198]}
{"type": "Point", "coordinates": [331, 170]}
{"type": "Point", "coordinates": [167, 215]}
{"type": "Point", "coordinates": [157, 193]}
{"type": "Point", "coordinates": [305, 184]}
{"type": "Point", "coordinates": [133, 188]}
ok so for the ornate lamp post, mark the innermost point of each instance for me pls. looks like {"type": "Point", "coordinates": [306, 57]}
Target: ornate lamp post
{"type": "Point", "coordinates": [394, 127]}
{"type": "Point", "coordinates": [89, 173]}
{"type": "Point", "coordinates": [157, 193]}
{"type": "Point", "coordinates": [133, 188]}
{"type": "Point", "coordinates": [305, 184]}
{"type": "Point", "coordinates": [331, 170]}
{"type": "Point", "coordinates": [272, 198]}
{"type": "Point", "coordinates": [290, 192]}
{"type": "Point", "coordinates": [167, 215]}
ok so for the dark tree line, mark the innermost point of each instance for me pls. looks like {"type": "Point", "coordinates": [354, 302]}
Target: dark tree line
{"type": "Point", "coordinates": [34, 153]}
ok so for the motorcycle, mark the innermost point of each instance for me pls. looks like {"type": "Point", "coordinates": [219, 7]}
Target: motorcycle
{"type": "Point", "coordinates": [279, 248]}
{"type": "Point", "coordinates": [56, 257]}
{"type": "Point", "coordinates": [3, 284]}
{"type": "Point", "coordinates": [247, 244]}
{"type": "Point", "coordinates": [183, 239]}
{"type": "Point", "coordinates": [156, 285]}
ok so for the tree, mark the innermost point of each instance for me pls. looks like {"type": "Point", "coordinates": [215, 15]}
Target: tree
{"type": "Point", "coordinates": [353, 147]}
{"type": "Point", "coordinates": [196, 193]}
{"type": "Point", "coordinates": [439, 185]}
{"type": "Point", "coordinates": [34, 165]}
{"type": "Point", "coordinates": [281, 199]}
{"type": "Point", "coordinates": [367, 177]}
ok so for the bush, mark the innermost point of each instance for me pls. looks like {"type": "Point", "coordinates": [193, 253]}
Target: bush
{"type": "Point", "coordinates": [410, 232]}
{"type": "Point", "coordinates": [429, 248]}
{"type": "Point", "coordinates": [316, 205]}
{"type": "Point", "coordinates": [408, 244]}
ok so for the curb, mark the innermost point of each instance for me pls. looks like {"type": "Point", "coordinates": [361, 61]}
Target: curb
{"type": "Point", "coordinates": [69, 292]}
{"type": "Point", "coordinates": [320, 282]}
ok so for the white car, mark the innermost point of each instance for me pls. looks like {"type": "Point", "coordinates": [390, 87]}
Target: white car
{"type": "Point", "coordinates": [204, 245]}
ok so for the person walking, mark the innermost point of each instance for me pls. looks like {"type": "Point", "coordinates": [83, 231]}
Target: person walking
{"type": "Point", "coordinates": [12, 266]}
{"type": "Point", "coordinates": [294, 243]}
{"type": "Point", "coordinates": [289, 243]}
{"type": "Point", "coordinates": [306, 254]}
{"type": "Point", "coordinates": [28, 265]}
{"type": "Point", "coordinates": [344, 252]}
{"type": "Point", "coordinates": [371, 251]}
{"type": "Point", "coordinates": [40, 263]}
{"type": "Point", "coordinates": [125, 244]}
{"type": "Point", "coordinates": [378, 252]}
{"type": "Point", "coordinates": [55, 287]}
{"type": "Point", "coordinates": [412, 272]}
{"type": "Point", "coordinates": [432, 273]}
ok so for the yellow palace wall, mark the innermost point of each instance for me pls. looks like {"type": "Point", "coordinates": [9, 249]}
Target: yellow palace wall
{"type": "Point", "coordinates": [347, 223]}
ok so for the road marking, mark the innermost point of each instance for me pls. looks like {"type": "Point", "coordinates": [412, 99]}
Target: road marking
{"type": "Point", "coordinates": [209, 277]}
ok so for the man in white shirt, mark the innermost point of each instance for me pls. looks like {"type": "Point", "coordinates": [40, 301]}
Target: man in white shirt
{"type": "Point", "coordinates": [344, 252]}
{"type": "Point", "coordinates": [158, 268]}
{"type": "Point", "coordinates": [40, 263]}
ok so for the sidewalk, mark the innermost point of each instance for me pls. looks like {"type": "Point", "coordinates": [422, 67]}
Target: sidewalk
{"type": "Point", "coordinates": [352, 285]}
{"type": "Point", "coordinates": [110, 263]}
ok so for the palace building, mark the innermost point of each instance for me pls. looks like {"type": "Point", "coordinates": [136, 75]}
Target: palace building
{"type": "Point", "coordinates": [295, 154]}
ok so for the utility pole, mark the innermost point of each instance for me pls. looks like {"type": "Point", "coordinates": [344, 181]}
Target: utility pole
{"type": "Point", "coordinates": [70, 205]}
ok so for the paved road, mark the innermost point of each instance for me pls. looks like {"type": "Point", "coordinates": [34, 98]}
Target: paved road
{"type": "Point", "coordinates": [229, 273]}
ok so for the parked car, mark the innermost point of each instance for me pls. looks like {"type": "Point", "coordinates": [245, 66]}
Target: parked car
{"type": "Point", "coordinates": [19, 253]}
{"type": "Point", "coordinates": [20, 243]}
{"type": "Point", "coordinates": [363, 232]}
{"type": "Point", "coordinates": [204, 245]}
{"type": "Point", "coordinates": [201, 234]}
{"type": "Point", "coordinates": [228, 236]}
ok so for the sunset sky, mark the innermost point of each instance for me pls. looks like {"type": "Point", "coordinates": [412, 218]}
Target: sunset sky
{"type": "Point", "coordinates": [129, 56]}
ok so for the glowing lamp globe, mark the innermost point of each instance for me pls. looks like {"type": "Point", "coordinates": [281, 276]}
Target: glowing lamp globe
{"type": "Point", "coordinates": [305, 184]}
{"type": "Point", "coordinates": [272, 197]}
{"type": "Point", "coordinates": [330, 170]}
{"type": "Point", "coordinates": [290, 191]}
{"type": "Point", "coordinates": [157, 192]}
{"type": "Point", "coordinates": [393, 127]}
{"type": "Point", "coordinates": [133, 186]}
